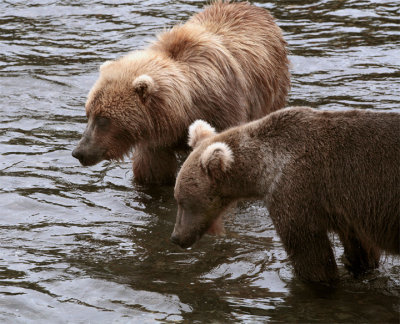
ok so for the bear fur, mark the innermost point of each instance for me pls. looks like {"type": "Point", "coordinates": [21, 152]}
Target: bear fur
{"type": "Point", "coordinates": [227, 65]}
{"type": "Point", "coordinates": [318, 172]}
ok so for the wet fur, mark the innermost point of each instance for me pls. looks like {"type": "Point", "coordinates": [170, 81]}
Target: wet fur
{"type": "Point", "coordinates": [227, 65]}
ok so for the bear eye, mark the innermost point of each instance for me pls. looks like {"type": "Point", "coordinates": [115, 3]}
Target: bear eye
{"type": "Point", "coordinates": [102, 121]}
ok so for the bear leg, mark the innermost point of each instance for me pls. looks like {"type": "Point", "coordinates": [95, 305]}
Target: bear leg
{"type": "Point", "coordinates": [360, 254]}
{"type": "Point", "coordinates": [313, 257]}
{"type": "Point", "coordinates": [154, 166]}
{"type": "Point", "coordinates": [308, 248]}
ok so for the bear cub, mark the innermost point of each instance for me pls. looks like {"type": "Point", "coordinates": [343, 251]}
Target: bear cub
{"type": "Point", "coordinates": [317, 171]}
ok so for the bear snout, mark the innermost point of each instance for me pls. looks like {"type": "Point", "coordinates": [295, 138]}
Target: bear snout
{"type": "Point", "coordinates": [183, 242]}
{"type": "Point", "coordinates": [87, 157]}
{"type": "Point", "coordinates": [77, 154]}
{"type": "Point", "coordinates": [175, 239]}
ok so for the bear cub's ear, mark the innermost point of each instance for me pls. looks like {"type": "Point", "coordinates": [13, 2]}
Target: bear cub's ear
{"type": "Point", "coordinates": [144, 86]}
{"type": "Point", "coordinates": [198, 131]}
{"type": "Point", "coordinates": [216, 159]}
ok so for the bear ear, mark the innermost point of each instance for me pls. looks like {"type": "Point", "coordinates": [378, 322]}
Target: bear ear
{"type": "Point", "coordinates": [216, 159]}
{"type": "Point", "coordinates": [198, 131]}
{"type": "Point", "coordinates": [144, 86]}
{"type": "Point", "coordinates": [105, 64]}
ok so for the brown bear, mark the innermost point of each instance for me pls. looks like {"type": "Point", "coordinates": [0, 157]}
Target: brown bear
{"type": "Point", "coordinates": [318, 172]}
{"type": "Point", "coordinates": [227, 65]}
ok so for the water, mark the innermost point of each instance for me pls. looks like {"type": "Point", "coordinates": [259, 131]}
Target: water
{"type": "Point", "coordinates": [86, 245]}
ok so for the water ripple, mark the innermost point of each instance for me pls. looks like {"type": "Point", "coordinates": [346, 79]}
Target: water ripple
{"type": "Point", "coordinates": [87, 244]}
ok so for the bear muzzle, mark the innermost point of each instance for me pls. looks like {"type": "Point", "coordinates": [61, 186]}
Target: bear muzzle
{"type": "Point", "coordinates": [183, 241]}
{"type": "Point", "coordinates": [88, 154]}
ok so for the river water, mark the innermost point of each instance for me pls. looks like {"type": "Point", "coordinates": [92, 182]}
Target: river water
{"type": "Point", "coordinates": [80, 245]}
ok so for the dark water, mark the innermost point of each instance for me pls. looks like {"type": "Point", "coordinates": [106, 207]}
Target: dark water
{"type": "Point", "coordinates": [86, 245]}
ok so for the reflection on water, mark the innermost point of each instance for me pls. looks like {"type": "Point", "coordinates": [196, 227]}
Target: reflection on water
{"type": "Point", "coordinates": [86, 244]}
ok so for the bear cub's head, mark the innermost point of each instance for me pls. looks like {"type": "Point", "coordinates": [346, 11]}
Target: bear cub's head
{"type": "Point", "coordinates": [199, 189]}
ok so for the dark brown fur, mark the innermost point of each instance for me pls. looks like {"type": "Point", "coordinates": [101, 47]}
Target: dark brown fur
{"type": "Point", "coordinates": [318, 171]}
{"type": "Point", "coordinates": [227, 64]}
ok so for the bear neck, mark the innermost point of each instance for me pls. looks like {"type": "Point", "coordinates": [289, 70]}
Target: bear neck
{"type": "Point", "coordinates": [255, 173]}
{"type": "Point", "coordinates": [245, 176]}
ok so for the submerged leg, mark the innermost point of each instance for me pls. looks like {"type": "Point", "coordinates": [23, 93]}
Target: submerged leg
{"type": "Point", "coordinates": [360, 254]}
{"type": "Point", "coordinates": [307, 245]}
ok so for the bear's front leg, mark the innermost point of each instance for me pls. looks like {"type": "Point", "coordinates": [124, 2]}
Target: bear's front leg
{"type": "Point", "coordinates": [154, 165]}
{"type": "Point", "coordinates": [361, 255]}
{"type": "Point", "coordinates": [307, 246]}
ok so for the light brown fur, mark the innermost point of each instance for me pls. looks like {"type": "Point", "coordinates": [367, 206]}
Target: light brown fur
{"type": "Point", "coordinates": [227, 65]}
{"type": "Point", "coordinates": [318, 171]}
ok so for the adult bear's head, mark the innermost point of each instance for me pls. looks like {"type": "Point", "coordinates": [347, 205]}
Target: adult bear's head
{"type": "Point", "coordinates": [137, 99]}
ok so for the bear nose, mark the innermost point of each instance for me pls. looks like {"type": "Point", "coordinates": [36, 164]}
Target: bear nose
{"type": "Point", "coordinates": [174, 239]}
{"type": "Point", "coordinates": [77, 154]}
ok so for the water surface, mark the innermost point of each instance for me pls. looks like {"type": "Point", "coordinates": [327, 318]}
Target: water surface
{"type": "Point", "coordinates": [89, 245]}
